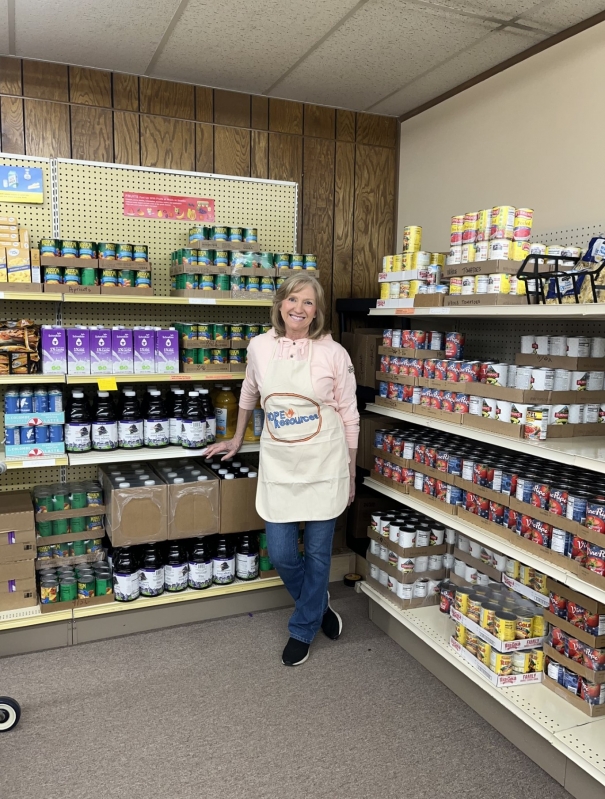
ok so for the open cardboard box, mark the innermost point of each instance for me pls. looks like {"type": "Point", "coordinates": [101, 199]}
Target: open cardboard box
{"type": "Point", "coordinates": [17, 585]}
{"type": "Point", "coordinates": [526, 591]}
{"type": "Point", "coordinates": [82, 602]}
{"type": "Point", "coordinates": [481, 491]}
{"type": "Point", "coordinates": [429, 300]}
{"type": "Point", "coordinates": [236, 246]}
{"type": "Point", "coordinates": [588, 674]}
{"type": "Point", "coordinates": [404, 604]}
{"type": "Point", "coordinates": [398, 575]}
{"type": "Point", "coordinates": [477, 300]}
{"type": "Point", "coordinates": [68, 288]}
{"type": "Point", "coordinates": [200, 294]}
{"type": "Point", "coordinates": [591, 605]}
{"type": "Point", "coordinates": [127, 291]}
{"type": "Point", "coordinates": [403, 380]}
{"type": "Point", "coordinates": [435, 413]}
{"type": "Point", "coordinates": [388, 456]}
{"type": "Point", "coordinates": [30, 288]}
{"type": "Point", "coordinates": [91, 557]}
{"type": "Point", "coordinates": [198, 269]}
{"type": "Point", "coordinates": [402, 488]}
{"type": "Point", "coordinates": [493, 426]}
{"type": "Point", "coordinates": [404, 352]}
{"type": "Point", "coordinates": [194, 508]}
{"type": "Point", "coordinates": [500, 681]}
{"type": "Point", "coordinates": [561, 362]}
{"type": "Point", "coordinates": [17, 532]}
{"type": "Point", "coordinates": [576, 701]}
{"type": "Point", "coordinates": [517, 645]}
{"type": "Point", "coordinates": [481, 268]}
{"type": "Point", "coordinates": [137, 515]}
{"type": "Point", "coordinates": [452, 510]}
{"type": "Point", "coordinates": [406, 552]}
{"type": "Point", "coordinates": [206, 344]}
{"type": "Point", "coordinates": [479, 565]}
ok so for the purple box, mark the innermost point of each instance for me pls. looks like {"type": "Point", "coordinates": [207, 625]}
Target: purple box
{"type": "Point", "coordinates": [144, 351]}
{"type": "Point", "coordinates": [121, 351]}
{"type": "Point", "coordinates": [166, 352]}
{"type": "Point", "coordinates": [78, 351]}
{"type": "Point", "coordinates": [100, 352]}
{"type": "Point", "coordinates": [54, 350]}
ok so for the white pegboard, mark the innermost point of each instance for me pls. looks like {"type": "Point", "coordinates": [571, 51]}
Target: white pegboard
{"type": "Point", "coordinates": [36, 217]}
{"type": "Point", "coordinates": [569, 237]}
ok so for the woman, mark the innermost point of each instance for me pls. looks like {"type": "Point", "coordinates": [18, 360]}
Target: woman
{"type": "Point", "coordinates": [307, 451]}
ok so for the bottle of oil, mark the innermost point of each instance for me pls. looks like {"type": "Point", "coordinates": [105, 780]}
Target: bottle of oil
{"type": "Point", "coordinates": [225, 409]}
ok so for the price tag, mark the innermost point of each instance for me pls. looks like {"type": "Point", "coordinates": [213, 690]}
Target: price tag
{"type": "Point", "coordinates": [404, 312]}
{"type": "Point", "coordinates": [200, 301]}
{"type": "Point", "coordinates": [107, 384]}
{"type": "Point", "coordinates": [39, 462]}
{"type": "Point", "coordinates": [439, 310]}
{"type": "Point", "coordinates": [1, 295]}
{"type": "Point", "coordinates": [183, 377]}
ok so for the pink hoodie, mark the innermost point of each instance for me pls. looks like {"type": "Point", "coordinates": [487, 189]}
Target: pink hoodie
{"type": "Point", "coordinates": [331, 373]}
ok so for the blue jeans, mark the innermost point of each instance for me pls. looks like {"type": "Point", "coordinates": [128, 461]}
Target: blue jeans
{"type": "Point", "coordinates": [306, 578]}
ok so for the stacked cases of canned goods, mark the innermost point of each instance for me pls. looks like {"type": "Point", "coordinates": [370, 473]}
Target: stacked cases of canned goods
{"type": "Point", "coordinates": [31, 403]}
{"type": "Point", "coordinates": [214, 332]}
{"type": "Point", "coordinates": [499, 233]}
{"type": "Point", "coordinates": [427, 264]}
{"type": "Point", "coordinates": [57, 584]}
{"type": "Point", "coordinates": [136, 275]}
{"type": "Point", "coordinates": [86, 496]}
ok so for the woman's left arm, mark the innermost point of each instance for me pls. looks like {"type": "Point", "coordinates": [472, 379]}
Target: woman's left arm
{"type": "Point", "coordinates": [345, 388]}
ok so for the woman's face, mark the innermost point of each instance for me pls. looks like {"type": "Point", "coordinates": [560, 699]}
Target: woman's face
{"type": "Point", "coordinates": [298, 311]}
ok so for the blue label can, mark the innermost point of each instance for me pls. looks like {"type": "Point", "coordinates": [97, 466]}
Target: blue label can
{"type": "Point", "coordinates": [453, 495]}
{"type": "Point", "coordinates": [576, 508]}
{"type": "Point", "coordinates": [454, 465]}
{"type": "Point", "coordinates": [40, 401]}
{"type": "Point", "coordinates": [26, 401]}
{"type": "Point", "coordinates": [12, 436]}
{"type": "Point", "coordinates": [42, 434]}
{"type": "Point", "coordinates": [11, 401]}
{"type": "Point", "coordinates": [383, 389]}
{"type": "Point", "coordinates": [524, 489]}
{"type": "Point", "coordinates": [55, 400]}
{"type": "Point", "coordinates": [55, 433]}
{"type": "Point", "coordinates": [28, 435]}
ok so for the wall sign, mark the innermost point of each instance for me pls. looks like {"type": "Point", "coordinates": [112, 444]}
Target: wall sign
{"type": "Point", "coordinates": [168, 206]}
{"type": "Point", "coordinates": [21, 184]}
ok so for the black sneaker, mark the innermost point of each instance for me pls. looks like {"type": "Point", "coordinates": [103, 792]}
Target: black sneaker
{"type": "Point", "coordinates": [331, 624]}
{"type": "Point", "coordinates": [295, 652]}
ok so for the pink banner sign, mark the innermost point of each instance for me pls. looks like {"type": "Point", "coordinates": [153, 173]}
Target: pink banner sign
{"type": "Point", "coordinates": [168, 206]}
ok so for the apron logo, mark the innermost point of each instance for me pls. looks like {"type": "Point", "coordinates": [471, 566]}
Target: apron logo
{"type": "Point", "coordinates": [285, 418]}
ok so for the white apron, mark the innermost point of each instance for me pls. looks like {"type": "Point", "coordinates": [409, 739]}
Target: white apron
{"type": "Point", "coordinates": [303, 471]}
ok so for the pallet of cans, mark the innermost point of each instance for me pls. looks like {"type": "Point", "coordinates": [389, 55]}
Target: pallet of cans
{"type": "Point", "coordinates": [33, 423]}
{"type": "Point", "coordinates": [216, 346]}
{"type": "Point", "coordinates": [229, 236]}
{"type": "Point", "coordinates": [69, 512]}
{"type": "Point", "coordinates": [82, 267]}
{"type": "Point", "coordinates": [501, 232]}
{"type": "Point", "coordinates": [66, 586]}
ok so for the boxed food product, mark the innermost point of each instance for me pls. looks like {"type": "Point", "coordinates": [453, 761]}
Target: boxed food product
{"type": "Point", "coordinates": [54, 350]}
{"type": "Point", "coordinates": [135, 515]}
{"type": "Point", "coordinates": [18, 265]}
{"type": "Point", "coordinates": [17, 585]}
{"type": "Point", "coordinates": [194, 505]}
{"type": "Point", "coordinates": [17, 528]}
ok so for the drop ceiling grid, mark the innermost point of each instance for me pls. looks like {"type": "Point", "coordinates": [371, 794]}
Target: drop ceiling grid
{"type": "Point", "coordinates": [37, 218]}
{"type": "Point", "coordinates": [90, 199]}
{"type": "Point", "coordinates": [558, 15]}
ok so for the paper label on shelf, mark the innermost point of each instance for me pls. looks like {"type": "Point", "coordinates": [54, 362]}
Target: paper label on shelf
{"type": "Point", "coordinates": [1, 295]}
{"type": "Point", "coordinates": [107, 384]}
{"type": "Point", "coordinates": [439, 310]}
{"type": "Point", "coordinates": [38, 462]}
{"type": "Point", "coordinates": [200, 301]}
{"type": "Point", "coordinates": [404, 311]}
{"type": "Point", "coordinates": [536, 597]}
{"type": "Point", "coordinates": [187, 377]}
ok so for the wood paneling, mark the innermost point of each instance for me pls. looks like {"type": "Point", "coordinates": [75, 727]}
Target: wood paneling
{"type": "Point", "coordinates": [167, 143]}
{"type": "Point", "coordinates": [318, 207]}
{"type": "Point", "coordinates": [125, 92]}
{"type": "Point", "coordinates": [90, 86]}
{"type": "Point", "coordinates": [204, 104]}
{"type": "Point", "coordinates": [46, 81]}
{"type": "Point", "coordinates": [91, 134]}
{"type": "Point", "coordinates": [345, 125]}
{"type": "Point", "coordinates": [376, 130]}
{"type": "Point", "coordinates": [11, 122]}
{"type": "Point", "coordinates": [259, 154]}
{"type": "Point", "coordinates": [10, 75]}
{"type": "Point", "coordinates": [167, 98]}
{"type": "Point", "coordinates": [373, 217]}
{"type": "Point", "coordinates": [285, 163]}
{"type": "Point", "coordinates": [231, 108]}
{"type": "Point", "coordinates": [204, 147]}
{"type": "Point", "coordinates": [232, 151]}
{"type": "Point", "coordinates": [285, 116]}
{"type": "Point", "coordinates": [344, 196]}
{"type": "Point", "coordinates": [260, 112]}
{"type": "Point", "coordinates": [47, 129]}
{"type": "Point", "coordinates": [126, 138]}
{"type": "Point", "coordinates": [319, 121]}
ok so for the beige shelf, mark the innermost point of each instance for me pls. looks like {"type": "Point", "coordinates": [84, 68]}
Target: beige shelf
{"type": "Point", "coordinates": [27, 295]}
{"type": "Point", "coordinates": [134, 300]}
{"type": "Point", "coordinates": [531, 312]}
{"type": "Point", "coordinates": [20, 379]}
{"type": "Point", "coordinates": [94, 457]}
{"type": "Point", "coordinates": [190, 377]}
{"type": "Point", "coordinates": [34, 463]}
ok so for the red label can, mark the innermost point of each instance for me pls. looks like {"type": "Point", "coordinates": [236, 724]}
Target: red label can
{"type": "Point", "coordinates": [540, 495]}
{"type": "Point", "coordinates": [441, 370]}
{"type": "Point", "coordinates": [430, 457]}
{"type": "Point", "coordinates": [440, 490]}
{"type": "Point", "coordinates": [418, 339]}
{"type": "Point", "coordinates": [392, 391]}
{"type": "Point", "coordinates": [416, 367]}
{"type": "Point", "coordinates": [595, 516]}
{"type": "Point", "coordinates": [428, 485]}
{"type": "Point", "coordinates": [496, 512]}
{"type": "Point", "coordinates": [557, 501]}
{"type": "Point", "coordinates": [408, 393]}
{"type": "Point", "coordinates": [384, 363]}
{"type": "Point", "coordinates": [425, 397]}
{"type": "Point", "coordinates": [387, 470]}
{"type": "Point", "coordinates": [448, 401]}
{"type": "Point", "coordinates": [469, 502]}
{"type": "Point", "coordinates": [541, 533]}
{"type": "Point", "coordinates": [461, 403]}
{"type": "Point", "coordinates": [419, 451]}
{"type": "Point", "coordinates": [453, 371]}
{"type": "Point", "coordinates": [396, 473]}
{"type": "Point", "coordinates": [387, 442]}
{"type": "Point", "coordinates": [404, 366]}
{"type": "Point", "coordinates": [513, 517]}
{"type": "Point", "coordinates": [595, 560]}
{"type": "Point", "coordinates": [483, 369]}
{"type": "Point", "coordinates": [437, 399]}
{"type": "Point", "coordinates": [407, 476]}
{"type": "Point", "coordinates": [378, 465]}
{"type": "Point", "coordinates": [397, 446]}
{"type": "Point", "coordinates": [454, 345]}
{"type": "Point", "coordinates": [482, 507]}
{"type": "Point", "coordinates": [406, 340]}
{"type": "Point", "coordinates": [469, 371]}
{"type": "Point", "coordinates": [393, 365]}
{"type": "Point", "coordinates": [428, 370]}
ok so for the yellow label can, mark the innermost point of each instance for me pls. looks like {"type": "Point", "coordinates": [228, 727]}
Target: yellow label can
{"type": "Point", "coordinates": [461, 600]}
{"type": "Point", "coordinates": [404, 289]}
{"type": "Point", "coordinates": [484, 652]}
{"type": "Point", "coordinates": [438, 258]}
{"type": "Point", "coordinates": [472, 641]}
{"type": "Point", "coordinates": [385, 289]}
{"type": "Point", "coordinates": [501, 663]}
{"type": "Point", "coordinates": [460, 634]}
{"type": "Point", "coordinates": [536, 660]}
{"type": "Point", "coordinates": [538, 626]}
{"type": "Point", "coordinates": [412, 238]}
{"type": "Point", "coordinates": [415, 287]}
{"type": "Point", "coordinates": [397, 262]}
{"type": "Point", "coordinates": [387, 263]}
{"type": "Point", "coordinates": [523, 625]}
{"type": "Point", "coordinates": [488, 616]}
{"type": "Point", "coordinates": [408, 260]}
{"type": "Point", "coordinates": [505, 626]}
{"type": "Point", "coordinates": [456, 285]}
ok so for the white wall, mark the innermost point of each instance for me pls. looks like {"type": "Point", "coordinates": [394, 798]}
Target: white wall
{"type": "Point", "coordinates": [532, 136]}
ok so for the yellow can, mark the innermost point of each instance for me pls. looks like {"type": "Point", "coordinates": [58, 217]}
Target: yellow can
{"type": "Point", "coordinates": [505, 626]}
{"type": "Point", "coordinates": [488, 616]}
{"type": "Point", "coordinates": [397, 262]}
{"type": "Point", "coordinates": [484, 652]}
{"type": "Point", "coordinates": [456, 229]}
{"type": "Point", "coordinates": [438, 258]}
{"type": "Point", "coordinates": [521, 662]}
{"type": "Point", "coordinates": [538, 625]}
{"type": "Point", "coordinates": [456, 285]}
{"type": "Point", "coordinates": [404, 289]}
{"type": "Point", "coordinates": [461, 599]}
{"type": "Point", "coordinates": [498, 283]}
{"type": "Point", "coordinates": [408, 260]}
{"type": "Point", "coordinates": [517, 287]}
{"type": "Point", "coordinates": [387, 263]}
{"type": "Point", "coordinates": [472, 641]}
{"type": "Point", "coordinates": [539, 583]}
{"type": "Point", "coordinates": [503, 222]}
{"type": "Point", "coordinates": [469, 251]}
{"type": "Point", "coordinates": [524, 218]}
{"type": "Point", "coordinates": [415, 286]}
{"type": "Point", "coordinates": [513, 568]}
{"type": "Point", "coordinates": [536, 660]}
{"type": "Point", "coordinates": [525, 574]}
{"type": "Point", "coordinates": [469, 229]}
{"type": "Point", "coordinates": [412, 238]}
{"type": "Point", "coordinates": [523, 625]}
{"type": "Point", "coordinates": [474, 607]}
{"type": "Point", "coordinates": [520, 250]}
{"type": "Point", "coordinates": [484, 224]}
{"type": "Point", "coordinates": [385, 289]}
{"type": "Point", "coordinates": [501, 663]}
{"type": "Point", "coordinates": [421, 259]}
{"type": "Point", "coordinates": [460, 634]}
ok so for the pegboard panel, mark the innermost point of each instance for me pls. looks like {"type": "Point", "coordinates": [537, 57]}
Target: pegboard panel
{"type": "Point", "coordinates": [21, 479]}
{"type": "Point", "coordinates": [36, 218]}
{"type": "Point", "coordinates": [570, 237]}
{"type": "Point", "coordinates": [165, 315]}
{"type": "Point", "coordinates": [91, 208]}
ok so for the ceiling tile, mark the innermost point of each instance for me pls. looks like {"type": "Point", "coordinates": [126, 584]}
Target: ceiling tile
{"type": "Point", "coordinates": [245, 45]}
{"type": "Point", "coordinates": [497, 47]}
{"type": "Point", "coordinates": [115, 34]}
{"type": "Point", "coordinates": [560, 14]}
{"type": "Point", "coordinates": [501, 9]}
{"type": "Point", "coordinates": [377, 50]}
{"type": "Point", "coordinates": [4, 27]}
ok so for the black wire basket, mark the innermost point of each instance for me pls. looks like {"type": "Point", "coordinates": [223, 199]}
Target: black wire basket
{"type": "Point", "coordinates": [537, 275]}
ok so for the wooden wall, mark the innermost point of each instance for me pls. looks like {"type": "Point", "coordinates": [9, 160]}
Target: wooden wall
{"type": "Point", "coordinates": [344, 162]}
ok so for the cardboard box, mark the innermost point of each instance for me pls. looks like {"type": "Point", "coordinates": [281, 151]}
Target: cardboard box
{"type": "Point", "coordinates": [17, 533]}
{"type": "Point", "coordinates": [24, 238]}
{"type": "Point", "coordinates": [478, 564]}
{"type": "Point", "coordinates": [194, 508]}
{"type": "Point", "coordinates": [402, 380]}
{"type": "Point", "coordinates": [406, 552]}
{"type": "Point", "coordinates": [137, 515]}
{"type": "Point", "coordinates": [500, 681]}
{"type": "Point", "coordinates": [434, 413]}
{"type": "Point", "coordinates": [526, 591]}
{"type": "Point", "coordinates": [591, 605]}
{"type": "Point", "coordinates": [435, 503]}
{"type": "Point", "coordinates": [392, 570]}
{"type": "Point", "coordinates": [82, 602]}
{"type": "Point", "coordinates": [561, 362]}
{"type": "Point", "coordinates": [365, 355]}
{"type": "Point", "coordinates": [429, 300]}
{"type": "Point", "coordinates": [404, 604]}
{"type": "Point", "coordinates": [478, 300]}
{"type": "Point", "coordinates": [404, 352]}
{"type": "Point", "coordinates": [3, 272]}
{"type": "Point", "coordinates": [493, 426]}
{"type": "Point", "coordinates": [18, 265]}
{"type": "Point", "coordinates": [17, 585]}
{"type": "Point", "coordinates": [9, 220]}
{"type": "Point", "coordinates": [238, 506]}
{"type": "Point", "coordinates": [576, 701]}
{"type": "Point", "coordinates": [369, 423]}
{"type": "Point", "coordinates": [589, 674]}
{"type": "Point", "coordinates": [518, 645]}
{"type": "Point", "coordinates": [70, 288]}
{"type": "Point", "coordinates": [481, 268]}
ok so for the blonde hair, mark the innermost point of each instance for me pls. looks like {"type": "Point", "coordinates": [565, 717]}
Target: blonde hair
{"type": "Point", "coordinates": [291, 285]}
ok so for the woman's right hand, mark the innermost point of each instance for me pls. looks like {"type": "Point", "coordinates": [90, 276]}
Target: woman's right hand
{"type": "Point", "coordinates": [230, 447]}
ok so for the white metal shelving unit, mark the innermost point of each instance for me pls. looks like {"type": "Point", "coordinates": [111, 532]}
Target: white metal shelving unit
{"type": "Point", "coordinates": [144, 454]}
{"type": "Point", "coordinates": [526, 312]}
{"type": "Point", "coordinates": [575, 735]}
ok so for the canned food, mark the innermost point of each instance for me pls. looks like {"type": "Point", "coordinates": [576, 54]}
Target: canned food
{"type": "Point", "coordinates": [220, 233]}
{"type": "Point", "coordinates": [456, 230]}
{"type": "Point", "coordinates": [69, 248]}
{"type": "Point", "coordinates": [412, 238]}
{"type": "Point", "coordinates": [109, 277]}
{"type": "Point", "coordinates": [49, 247]}
{"type": "Point", "coordinates": [124, 252]}
{"type": "Point", "coordinates": [501, 663]}
{"type": "Point", "coordinates": [505, 626]}
{"type": "Point", "coordinates": [106, 250]}
{"type": "Point", "coordinates": [87, 249]}
{"type": "Point", "coordinates": [523, 220]}
{"type": "Point", "coordinates": [199, 233]}
{"type": "Point", "coordinates": [140, 252]}
{"type": "Point", "coordinates": [310, 262]}
{"type": "Point", "coordinates": [502, 222]}
{"type": "Point", "coordinates": [251, 235]}
{"type": "Point", "coordinates": [126, 278]}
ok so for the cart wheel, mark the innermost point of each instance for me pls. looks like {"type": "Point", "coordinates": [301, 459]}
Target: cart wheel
{"type": "Point", "coordinates": [10, 713]}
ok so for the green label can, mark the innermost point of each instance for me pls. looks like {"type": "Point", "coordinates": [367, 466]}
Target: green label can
{"type": "Point", "coordinates": [60, 526]}
{"type": "Point", "coordinates": [72, 276]}
{"type": "Point", "coordinates": [88, 276]}
{"type": "Point", "coordinates": [140, 252]}
{"type": "Point", "coordinates": [237, 283]}
{"type": "Point", "coordinates": [126, 278]}
{"type": "Point", "coordinates": [281, 260]}
{"type": "Point", "coordinates": [109, 277]}
{"type": "Point", "coordinates": [94, 544]}
{"type": "Point", "coordinates": [250, 331]}
{"type": "Point", "coordinates": [186, 282]}
{"type": "Point", "coordinates": [262, 540]}
{"type": "Point", "coordinates": [49, 591]}
{"type": "Point", "coordinates": [205, 257]}
{"type": "Point", "coordinates": [188, 357]}
{"type": "Point", "coordinates": [124, 252]}
{"type": "Point", "coordinates": [205, 331]}
{"type": "Point", "coordinates": [87, 249]}
{"type": "Point", "coordinates": [44, 528]}
{"type": "Point", "coordinates": [253, 283]}
{"type": "Point", "coordinates": [43, 502]}
{"type": "Point", "coordinates": [188, 331]}
{"type": "Point", "coordinates": [173, 282]}
{"type": "Point", "coordinates": [103, 585]}
{"type": "Point", "coordinates": [237, 331]}
{"type": "Point", "coordinates": [245, 259]}
{"type": "Point", "coordinates": [78, 525]}
{"type": "Point", "coordinates": [61, 501]}
{"type": "Point", "coordinates": [86, 586]}
{"type": "Point", "coordinates": [107, 250]}
{"type": "Point", "coordinates": [94, 496]}
{"type": "Point", "coordinates": [77, 547]}
{"type": "Point", "coordinates": [69, 249]}
{"type": "Point", "coordinates": [265, 564]}
{"type": "Point", "coordinates": [266, 284]}
{"type": "Point", "coordinates": [49, 247]}
{"type": "Point", "coordinates": [78, 498]}
{"type": "Point", "coordinates": [220, 233]}
{"type": "Point", "coordinates": [53, 274]}
{"type": "Point", "coordinates": [220, 332]}
{"type": "Point", "coordinates": [45, 552]}
{"type": "Point", "coordinates": [236, 234]}
{"type": "Point", "coordinates": [263, 259]}
{"type": "Point", "coordinates": [94, 524]}
{"type": "Point", "coordinates": [206, 282]}
{"type": "Point", "coordinates": [266, 328]}
{"type": "Point", "coordinates": [61, 550]}
{"type": "Point", "coordinates": [222, 282]}
{"type": "Point", "coordinates": [202, 356]}
{"type": "Point", "coordinates": [237, 356]}
{"type": "Point", "coordinates": [296, 261]}
{"type": "Point", "coordinates": [217, 356]}
{"type": "Point", "coordinates": [186, 256]}
{"type": "Point", "coordinates": [221, 258]}
{"type": "Point", "coordinates": [310, 262]}
{"type": "Point", "coordinates": [251, 235]}
{"type": "Point", "coordinates": [68, 589]}
{"type": "Point", "coordinates": [142, 279]}
{"type": "Point", "coordinates": [199, 233]}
